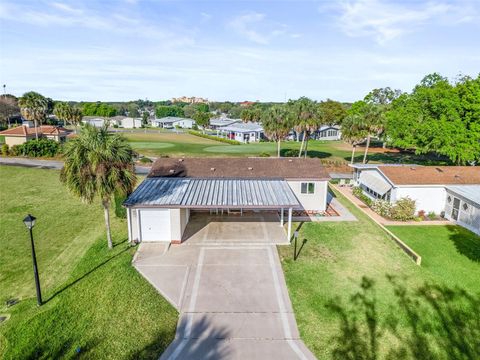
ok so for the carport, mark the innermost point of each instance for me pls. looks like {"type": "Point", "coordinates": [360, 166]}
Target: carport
{"type": "Point", "coordinates": [159, 209]}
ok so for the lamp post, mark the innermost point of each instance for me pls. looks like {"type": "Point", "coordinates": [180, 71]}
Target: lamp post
{"type": "Point", "coordinates": [29, 222]}
{"type": "Point", "coordinates": [295, 236]}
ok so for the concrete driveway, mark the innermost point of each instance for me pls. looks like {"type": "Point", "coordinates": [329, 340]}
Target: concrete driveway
{"type": "Point", "coordinates": [232, 298]}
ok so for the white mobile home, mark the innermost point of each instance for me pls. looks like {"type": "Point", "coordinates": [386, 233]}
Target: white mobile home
{"type": "Point", "coordinates": [328, 132]}
{"type": "Point", "coordinates": [171, 122]}
{"type": "Point", "coordinates": [160, 208]}
{"type": "Point", "coordinates": [424, 184]}
{"type": "Point", "coordinates": [462, 206]}
{"type": "Point", "coordinates": [130, 123]}
{"type": "Point", "coordinates": [243, 132]}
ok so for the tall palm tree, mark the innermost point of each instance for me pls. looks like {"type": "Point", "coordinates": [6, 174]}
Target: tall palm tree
{"type": "Point", "coordinates": [76, 117]}
{"type": "Point", "coordinates": [62, 111]}
{"type": "Point", "coordinates": [353, 132]}
{"type": "Point", "coordinates": [305, 117]}
{"type": "Point", "coordinates": [276, 124]}
{"type": "Point", "coordinates": [98, 164]}
{"type": "Point", "coordinates": [33, 106]}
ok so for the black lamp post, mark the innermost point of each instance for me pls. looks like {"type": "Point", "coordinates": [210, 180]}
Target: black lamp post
{"type": "Point", "coordinates": [29, 222]}
{"type": "Point", "coordinates": [295, 236]}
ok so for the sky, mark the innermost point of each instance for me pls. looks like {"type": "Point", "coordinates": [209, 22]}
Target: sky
{"type": "Point", "coordinates": [232, 50]}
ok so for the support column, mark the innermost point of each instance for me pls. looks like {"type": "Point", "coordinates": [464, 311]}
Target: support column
{"type": "Point", "coordinates": [129, 224]}
{"type": "Point", "coordinates": [289, 232]}
{"type": "Point", "coordinates": [282, 217]}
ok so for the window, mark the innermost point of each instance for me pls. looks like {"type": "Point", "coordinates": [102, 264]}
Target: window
{"type": "Point", "coordinates": [465, 206]}
{"type": "Point", "coordinates": [308, 188]}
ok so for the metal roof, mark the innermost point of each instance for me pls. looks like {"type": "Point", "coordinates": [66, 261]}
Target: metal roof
{"type": "Point", "coordinates": [171, 119]}
{"type": "Point", "coordinates": [213, 193]}
{"type": "Point", "coordinates": [375, 183]}
{"type": "Point", "coordinates": [469, 192]}
{"type": "Point", "coordinates": [242, 127]}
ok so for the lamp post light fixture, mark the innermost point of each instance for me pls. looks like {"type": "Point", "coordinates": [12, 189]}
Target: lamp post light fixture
{"type": "Point", "coordinates": [29, 222]}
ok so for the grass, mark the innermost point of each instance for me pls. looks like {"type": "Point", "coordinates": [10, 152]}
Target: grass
{"type": "Point", "coordinates": [95, 300]}
{"type": "Point", "coordinates": [184, 144]}
{"type": "Point", "coordinates": [356, 295]}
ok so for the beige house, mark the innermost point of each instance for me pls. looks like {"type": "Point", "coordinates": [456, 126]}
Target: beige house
{"type": "Point", "coordinates": [161, 206]}
{"type": "Point", "coordinates": [21, 134]}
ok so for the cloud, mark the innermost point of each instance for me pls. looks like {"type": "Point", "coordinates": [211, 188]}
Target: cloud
{"type": "Point", "coordinates": [66, 8]}
{"type": "Point", "coordinates": [385, 21]}
{"type": "Point", "coordinates": [243, 25]}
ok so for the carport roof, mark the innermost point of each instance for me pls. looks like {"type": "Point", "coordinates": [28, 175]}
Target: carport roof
{"type": "Point", "coordinates": [212, 193]}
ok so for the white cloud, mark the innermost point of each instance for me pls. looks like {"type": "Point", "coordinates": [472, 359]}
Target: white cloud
{"type": "Point", "coordinates": [243, 25]}
{"type": "Point", "coordinates": [66, 8]}
{"type": "Point", "coordinates": [386, 20]}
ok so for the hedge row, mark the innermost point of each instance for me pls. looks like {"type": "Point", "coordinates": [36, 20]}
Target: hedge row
{"type": "Point", "coordinates": [33, 148]}
{"type": "Point", "coordinates": [216, 138]}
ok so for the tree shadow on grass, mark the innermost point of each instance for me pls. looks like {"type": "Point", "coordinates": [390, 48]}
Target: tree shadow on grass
{"type": "Point", "coordinates": [310, 153]}
{"type": "Point", "coordinates": [430, 322]}
{"type": "Point", "coordinates": [205, 341]}
{"type": "Point", "coordinates": [465, 241]}
{"type": "Point", "coordinates": [80, 278]}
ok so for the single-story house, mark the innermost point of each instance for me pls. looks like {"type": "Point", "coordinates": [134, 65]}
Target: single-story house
{"type": "Point", "coordinates": [462, 206]}
{"type": "Point", "coordinates": [130, 123]}
{"type": "Point", "coordinates": [21, 134]}
{"type": "Point", "coordinates": [217, 123]}
{"type": "Point", "coordinates": [328, 132]}
{"type": "Point", "coordinates": [159, 209]}
{"type": "Point", "coordinates": [243, 132]}
{"type": "Point", "coordinates": [94, 121]}
{"type": "Point", "coordinates": [424, 184]}
{"type": "Point", "coordinates": [171, 122]}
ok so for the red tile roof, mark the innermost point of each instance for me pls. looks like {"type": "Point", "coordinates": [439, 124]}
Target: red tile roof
{"type": "Point", "coordinates": [30, 131]}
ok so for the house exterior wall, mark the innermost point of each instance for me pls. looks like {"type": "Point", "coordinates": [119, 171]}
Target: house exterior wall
{"type": "Point", "coordinates": [311, 202]}
{"type": "Point", "coordinates": [15, 140]}
{"type": "Point", "coordinates": [185, 124]}
{"type": "Point", "coordinates": [468, 218]}
{"type": "Point", "coordinates": [427, 198]}
{"type": "Point", "coordinates": [178, 223]}
{"type": "Point", "coordinates": [329, 134]}
{"type": "Point", "coordinates": [130, 123]}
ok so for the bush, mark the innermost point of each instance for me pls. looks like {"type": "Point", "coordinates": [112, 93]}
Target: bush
{"type": "Point", "coordinates": [431, 215]}
{"type": "Point", "coordinates": [120, 211]}
{"type": "Point", "coordinates": [290, 153]}
{"type": "Point", "coordinates": [382, 207]}
{"type": "Point", "coordinates": [216, 138]}
{"type": "Point", "coordinates": [403, 210]}
{"type": "Point", "coordinates": [358, 192]}
{"type": "Point", "coordinates": [264, 154]}
{"type": "Point", "coordinates": [145, 160]}
{"type": "Point", "coordinates": [16, 150]}
{"type": "Point", "coordinates": [4, 149]}
{"type": "Point", "coordinates": [40, 148]}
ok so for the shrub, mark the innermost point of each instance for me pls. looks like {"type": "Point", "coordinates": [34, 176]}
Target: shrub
{"type": "Point", "coordinates": [40, 148]}
{"type": "Point", "coordinates": [120, 211]}
{"type": "Point", "coordinates": [16, 150]}
{"type": "Point", "coordinates": [290, 153]}
{"type": "Point", "coordinates": [403, 210]}
{"type": "Point", "coordinates": [431, 215]}
{"type": "Point", "coordinates": [216, 138]}
{"type": "Point", "coordinates": [421, 213]}
{"type": "Point", "coordinates": [264, 154]}
{"type": "Point", "coordinates": [358, 192]}
{"type": "Point", "coordinates": [4, 149]}
{"type": "Point", "coordinates": [145, 160]}
{"type": "Point", "coordinates": [382, 207]}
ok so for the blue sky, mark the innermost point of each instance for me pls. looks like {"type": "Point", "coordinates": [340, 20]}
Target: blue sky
{"type": "Point", "coordinates": [232, 50]}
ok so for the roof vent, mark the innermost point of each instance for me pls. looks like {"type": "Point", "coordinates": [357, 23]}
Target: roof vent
{"type": "Point", "coordinates": [180, 160]}
{"type": "Point", "coordinates": [438, 169]}
{"type": "Point", "coordinates": [290, 160]}
{"type": "Point", "coordinates": [172, 171]}
{"type": "Point", "coordinates": [412, 168]}
{"type": "Point", "coordinates": [212, 169]}
{"type": "Point", "coordinates": [457, 176]}
{"type": "Point", "coordinates": [250, 168]}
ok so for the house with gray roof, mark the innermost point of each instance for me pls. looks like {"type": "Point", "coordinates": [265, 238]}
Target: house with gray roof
{"type": "Point", "coordinates": [243, 132]}
{"type": "Point", "coordinates": [171, 122]}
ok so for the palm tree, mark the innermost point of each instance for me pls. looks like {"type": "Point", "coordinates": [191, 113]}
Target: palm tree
{"type": "Point", "coordinates": [33, 106]}
{"type": "Point", "coordinates": [62, 111]}
{"type": "Point", "coordinates": [305, 118]}
{"type": "Point", "coordinates": [353, 132]}
{"type": "Point", "coordinates": [98, 164]}
{"type": "Point", "coordinates": [76, 117]}
{"type": "Point", "coordinates": [276, 124]}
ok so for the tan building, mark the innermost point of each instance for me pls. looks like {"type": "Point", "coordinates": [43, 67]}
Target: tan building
{"type": "Point", "coordinates": [21, 134]}
{"type": "Point", "coordinates": [190, 100]}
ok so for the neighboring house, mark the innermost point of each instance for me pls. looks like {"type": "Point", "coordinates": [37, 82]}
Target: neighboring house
{"type": "Point", "coordinates": [462, 206]}
{"type": "Point", "coordinates": [328, 132]}
{"type": "Point", "coordinates": [217, 123]}
{"type": "Point", "coordinates": [159, 209]}
{"type": "Point", "coordinates": [94, 121]}
{"type": "Point", "coordinates": [424, 184]}
{"type": "Point", "coordinates": [243, 132]}
{"type": "Point", "coordinates": [130, 123]}
{"type": "Point", "coordinates": [171, 122]}
{"type": "Point", "coordinates": [21, 134]}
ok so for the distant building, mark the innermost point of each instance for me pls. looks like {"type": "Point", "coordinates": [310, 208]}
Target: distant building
{"type": "Point", "coordinates": [21, 134]}
{"type": "Point", "coordinates": [131, 123]}
{"type": "Point", "coordinates": [190, 100]}
{"type": "Point", "coordinates": [246, 103]}
{"type": "Point", "coordinates": [171, 122]}
{"type": "Point", "coordinates": [328, 132]}
{"type": "Point", "coordinates": [217, 123]}
{"type": "Point", "coordinates": [243, 132]}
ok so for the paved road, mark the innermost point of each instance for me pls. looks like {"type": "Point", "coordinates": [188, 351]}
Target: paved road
{"type": "Point", "coordinates": [50, 164]}
{"type": "Point", "coordinates": [232, 298]}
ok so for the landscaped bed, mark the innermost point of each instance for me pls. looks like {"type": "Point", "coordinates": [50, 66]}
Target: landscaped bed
{"type": "Point", "coordinates": [350, 274]}
{"type": "Point", "coordinates": [96, 304]}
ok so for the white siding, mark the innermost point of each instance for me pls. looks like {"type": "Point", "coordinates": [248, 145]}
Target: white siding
{"type": "Point", "coordinates": [313, 202]}
{"type": "Point", "coordinates": [469, 218]}
{"type": "Point", "coordinates": [427, 198]}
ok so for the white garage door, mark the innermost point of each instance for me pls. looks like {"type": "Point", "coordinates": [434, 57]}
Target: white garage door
{"type": "Point", "coordinates": [155, 225]}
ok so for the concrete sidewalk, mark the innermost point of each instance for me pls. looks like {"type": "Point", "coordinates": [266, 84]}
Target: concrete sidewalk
{"type": "Point", "coordinates": [233, 301]}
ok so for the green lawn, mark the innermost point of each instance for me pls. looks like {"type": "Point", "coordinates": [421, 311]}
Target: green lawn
{"type": "Point", "coordinates": [356, 295]}
{"type": "Point", "coordinates": [184, 144]}
{"type": "Point", "coordinates": [95, 299]}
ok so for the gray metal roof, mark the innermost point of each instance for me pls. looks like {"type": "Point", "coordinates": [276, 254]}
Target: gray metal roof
{"type": "Point", "coordinates": [243, 127]}
{"type": "Point", "coordinates": [469, 192]}
{"type": "Point", "coordinates": [213, 193]}
{"type": "Point", "coordinates": [375, 166]}
{"type": "Point", "coordinates": [171, 119]}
